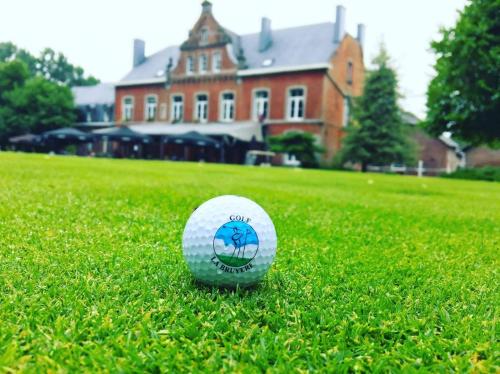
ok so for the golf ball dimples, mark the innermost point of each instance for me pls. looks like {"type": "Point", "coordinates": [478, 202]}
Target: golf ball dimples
{"type": "Point", "coordinates": [229, 241]}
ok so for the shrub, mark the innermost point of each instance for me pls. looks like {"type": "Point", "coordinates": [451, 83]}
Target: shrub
{"type": "Point", "coordinates": [487, 173]}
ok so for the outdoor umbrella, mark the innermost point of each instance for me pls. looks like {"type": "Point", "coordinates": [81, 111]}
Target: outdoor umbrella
{"type": "Point", "coordinates": [124, 134]}
{"type": "Point", "coordinates": [192, 138]}
{"type": "Point", "coordinates": [67, 133]}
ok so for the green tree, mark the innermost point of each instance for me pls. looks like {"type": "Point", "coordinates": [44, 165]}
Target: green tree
{"type": "Point", "coordinates": [377, 135]}
{"type": "Point", "coordinates": [51, 65]}
{"type": "Point", "coordinates": [300, 144]}
{"type": "Point", "coordinates": [464, 96]}
{"type": "Point", "coordinates": [31, 104]}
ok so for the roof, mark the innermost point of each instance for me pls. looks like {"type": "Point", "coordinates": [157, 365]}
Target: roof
{"type": "Point", "coordinates": [291, 47]}
{"type": "Point", "coordinates": [103, 93]}
{"type": "Point", "coordinates": [244, 131]}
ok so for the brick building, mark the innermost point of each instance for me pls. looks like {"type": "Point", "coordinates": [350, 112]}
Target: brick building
{"type": "Point", "coordinates": [222, 84]}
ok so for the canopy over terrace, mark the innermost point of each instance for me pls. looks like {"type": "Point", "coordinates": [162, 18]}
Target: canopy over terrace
{"type": "Point", "coordinates": [242, 131]}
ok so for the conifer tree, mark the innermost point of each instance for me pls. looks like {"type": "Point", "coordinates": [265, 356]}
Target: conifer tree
{"type": "Point", "coordinates": [377, 135]}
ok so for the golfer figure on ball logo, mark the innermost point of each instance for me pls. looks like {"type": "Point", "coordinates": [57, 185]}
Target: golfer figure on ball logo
{"type": "Point", "coordinates": [235, 245]}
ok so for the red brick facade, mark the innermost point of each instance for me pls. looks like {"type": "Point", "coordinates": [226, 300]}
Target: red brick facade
{"type": "Point", "coordinates": [325, 89]}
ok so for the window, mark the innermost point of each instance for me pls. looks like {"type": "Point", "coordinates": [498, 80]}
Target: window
{"type": "Point", "coordinates": [163, 111]}
{"type": "Point", "coordinates": [345, 120]}
{"type": "Point", "coordinates": [177, 108]}
{"type": "Point", "coordinates": [189, 65]}
{"type": "Point", "coordinates": [216, 62]}
{"type": "Point", "coordinates": [227, 107]}
{"type": "Point", "coordinates": [88, 116]}
{"type": "Point", "coordinates": [105, 114]}
{"type": "Point", "coordinates": [150, 111]}
{"type": "Point", "coordinates": [128, 109]}
{"type": "Point", "coordinates": [204, 36]}
{"type": "Point", "coordinates": [296, 104]}
{"type": "Point", "coordinates": [203, 64]}
{"type": "Point", "coordinates": [202, 108]}
{"type": "Point", "coordinates": [260, 105]}
{"type": "Point", "coordinates": [349, 72]}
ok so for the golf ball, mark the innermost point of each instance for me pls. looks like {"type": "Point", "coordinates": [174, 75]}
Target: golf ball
{"type": "Point", "coordinates": [229, 241]}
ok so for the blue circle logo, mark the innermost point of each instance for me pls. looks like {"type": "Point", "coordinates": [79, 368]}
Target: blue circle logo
{"type": "Point", "coordinates": [235, 244]}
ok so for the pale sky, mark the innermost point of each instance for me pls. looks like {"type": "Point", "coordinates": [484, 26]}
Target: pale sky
{"type": "Point", "coordinates": [98, 34]}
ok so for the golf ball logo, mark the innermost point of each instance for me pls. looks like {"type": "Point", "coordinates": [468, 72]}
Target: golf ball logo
{"type": "Point", "coordinates": [235, 245]}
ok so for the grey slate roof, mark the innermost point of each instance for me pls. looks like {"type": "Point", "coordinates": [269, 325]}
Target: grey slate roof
{"type": "Point", "coordinates": [297, 46]}
{"type": "Point", "coordinates": [103, 93]}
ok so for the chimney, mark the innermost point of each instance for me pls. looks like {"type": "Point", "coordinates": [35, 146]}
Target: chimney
{"type": "Point", "coordinates": [361, 35]}
{"type": "Point", "coordinates": [266, 35]}
{"type": "Point", "coordinates": [206, 7]}
{"type": "Point", "coordinates": [139, 49]}
{"type": "Point", "coordinates": [339, 24]}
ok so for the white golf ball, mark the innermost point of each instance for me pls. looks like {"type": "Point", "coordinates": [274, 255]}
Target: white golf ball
{"type": "Point", "coordinates": [229, 241]}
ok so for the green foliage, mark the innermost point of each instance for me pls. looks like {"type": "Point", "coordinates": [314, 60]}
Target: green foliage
{"type": "Point", "coordinates": [377, 135]}
{"type": "Point", "coordinates": [300, 144]}
{"type": "Point", "coordinates": [31, 105]}
{"type": "Point", "coordinates": [51, 65]}
{"type": "Point", "coordinates": [487, 173]}
{"type": "Point", "coordinates": [464, 97]}
{"type": "Point", "coordinates": [373, 273]}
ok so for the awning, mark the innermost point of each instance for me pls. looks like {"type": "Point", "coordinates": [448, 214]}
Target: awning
{"type": "Point", "coordinates": [25, 139]}
{"type": "Point", "coordinates": [67, 133]}
{"type": "Point", "coordinates": [192, 138]}
{"type": "Point", "coordinates": [123, 134]}
{"type": "Point", "coordinates": [243, 131]}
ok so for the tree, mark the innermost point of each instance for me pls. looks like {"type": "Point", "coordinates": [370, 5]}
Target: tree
{"type": "Point", "coordinates": [464, 96]}
{"type": "Point", "coordinates": [51, 65]}
{"type": "Point", "coordinates": [300, 144]}
{"type": "Point", "coordinates": [377, 135]}
{"type": "Point", "coordinates": [31, 105]}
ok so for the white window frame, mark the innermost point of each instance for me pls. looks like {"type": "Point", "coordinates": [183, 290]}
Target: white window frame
{"type": "Point", "coordinates": [255, 102]}
{"type": "Point", "coordinates": [175, 108]}
{"type": "Point", "coordinates": [217, 62]}
{"type": "Point", "coordinates": [128, 109]}
{"type": "Point", "coordinates": [227, 107]}
{"type": "Point", "coordinates": [148, 107]}
{"type": "Point", "coordinates": [105, 113]}
{"type": "Point", "coordinates": [197, 105]}
{"type": "Point", "coordinates": [294, 101]}
{"type": "Point", "coordinates": [88, 115]}
{"type": "Point", "coordinates": [163, 111]}
{"type": "Point", "coordinates": [189, 65]}
{"type": "Point", "coordinates": [203, 63]}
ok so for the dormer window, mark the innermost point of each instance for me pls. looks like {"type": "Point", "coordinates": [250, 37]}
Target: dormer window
{"type": "Point", "coordinates": [204, 36]}
{"type": "Point", "coordinates": [189, 65]}
{"type": "Point", "coordinates": [203, 64]}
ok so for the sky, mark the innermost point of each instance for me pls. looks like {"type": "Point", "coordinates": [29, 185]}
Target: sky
{"type": "Point", "coordinates": [98, 34]}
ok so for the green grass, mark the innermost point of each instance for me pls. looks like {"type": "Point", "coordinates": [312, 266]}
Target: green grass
{"type": "Point", "coordinates": [373, 272]}
{"type": "Point", "coordinates": [234, 261]}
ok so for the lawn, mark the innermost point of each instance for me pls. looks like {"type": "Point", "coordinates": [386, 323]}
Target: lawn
{"type": "Point", "coordinates": [372, 271]}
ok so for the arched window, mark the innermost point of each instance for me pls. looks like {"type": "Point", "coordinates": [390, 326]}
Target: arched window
{"type": "Point", "coordinates": [128, 108]}
{"type": "Point", "coordinates": [260, 105]}
{"type": "Point", "coordinates": [204, 36]}
{"type": "Point", "coordinates": [150, 109]}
